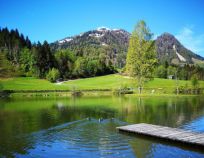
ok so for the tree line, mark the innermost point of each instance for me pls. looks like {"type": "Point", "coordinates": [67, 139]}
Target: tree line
{"type": "Point", "coordinates": [38, 60]}
{"type": "Point", "coordinates": [182, 72]}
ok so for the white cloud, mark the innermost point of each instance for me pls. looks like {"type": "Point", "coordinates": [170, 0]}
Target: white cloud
{"type": "Point", "coordinates": [191, 40]}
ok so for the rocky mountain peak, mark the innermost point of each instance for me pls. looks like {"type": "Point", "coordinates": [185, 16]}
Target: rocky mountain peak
{"type": "Point", "coordinates": [171, 50]}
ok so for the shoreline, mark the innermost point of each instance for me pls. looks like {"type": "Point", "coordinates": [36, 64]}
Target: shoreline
{"type": "Point", "coordinates": [90, 92]}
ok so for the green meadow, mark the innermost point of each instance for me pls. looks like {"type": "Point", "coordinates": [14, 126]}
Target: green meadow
{"type": "Point", "coordinates": [108, 82]}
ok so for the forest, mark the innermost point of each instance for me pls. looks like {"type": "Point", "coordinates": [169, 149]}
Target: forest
{"type": "Point", "coordinates": [20, 57]}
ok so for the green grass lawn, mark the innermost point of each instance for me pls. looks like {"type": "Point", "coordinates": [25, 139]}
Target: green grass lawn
{"type": "Point", "coordinates": [26, 83]}
{"type": "Point", "coordinates": [102, 82]}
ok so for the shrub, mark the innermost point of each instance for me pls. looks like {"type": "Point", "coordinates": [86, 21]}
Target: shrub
{"type": "Point", "coordinates": [123, 90]}
{"type": "Point", "coordinates": [77, 93]}
{"type": "Point", "coordinates": [194, 81]}
{"type": "Point", "coordinates": [161, 72]}
{"type": "Point", "coordinates": [53, 75]}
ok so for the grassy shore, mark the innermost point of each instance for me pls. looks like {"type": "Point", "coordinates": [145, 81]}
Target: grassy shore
{"type": "Point", "coordinates": [109, 82]}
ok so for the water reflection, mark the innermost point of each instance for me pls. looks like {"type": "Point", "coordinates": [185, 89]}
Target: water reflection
{"type": "Point", "coordinates": [59, 127]}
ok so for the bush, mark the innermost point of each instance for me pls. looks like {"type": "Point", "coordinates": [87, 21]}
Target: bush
{"type": "Point", "coordinates": [195, 82]}
{"type": "Point", "coordinates": [161, 72]}
{"type": "Point", "coordinates": [53, 75]}
{"type": "Point", "coordinates": [77, 93]}
{"type": "Point", "coordinates": [123, 90]}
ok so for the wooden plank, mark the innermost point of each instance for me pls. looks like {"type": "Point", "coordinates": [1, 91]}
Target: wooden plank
{"type": "Point", "coordinates": [174, 134]}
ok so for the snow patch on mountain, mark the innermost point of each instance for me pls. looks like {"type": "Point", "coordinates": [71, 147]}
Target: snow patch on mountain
{"type": "Point", "coordinates": [104, 44]}
{"type": "Point", "coordinates": [116, 29]}
{"type": "Point", "coordinates": [179, 55]}
{"type": "Point", "coordinates": [65, 40]}
{"type": "Point", "coordinates": [97, 35]}
{"type": "Point", "coordinates": [103, 29]}
{"type": "Point", "coordinates": [81, 34]}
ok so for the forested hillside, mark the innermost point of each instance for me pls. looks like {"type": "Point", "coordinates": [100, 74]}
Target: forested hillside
{"type": "Point", "coordinates": [110, 44]}
{"type": "Point", "coordinates": [22, 58]}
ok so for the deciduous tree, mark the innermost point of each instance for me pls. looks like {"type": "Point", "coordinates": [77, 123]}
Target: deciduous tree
{"type": "Point", "coordinates": [141, 57]}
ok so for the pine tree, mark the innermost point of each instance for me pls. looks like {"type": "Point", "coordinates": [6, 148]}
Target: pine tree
{"type": "Point", "coordinates": [141, 57]}
{"type": "Point", "coordinates": [28, 42]}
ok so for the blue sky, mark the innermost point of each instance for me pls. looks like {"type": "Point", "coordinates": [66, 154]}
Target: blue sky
{"type": "Point", "coordinates": [55, 19]}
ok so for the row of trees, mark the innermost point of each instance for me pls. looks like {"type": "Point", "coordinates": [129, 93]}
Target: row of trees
{"type": "Point", "coordinates": [38, 60]}
{"type": "Point", "coordinates": [11, 44]}
{"type": "Point", "coordinates": [185, 72]}
{"type": "Point", "coordinates": [13, 41]}
{"type": "Point", "coordinates": [72, 66]}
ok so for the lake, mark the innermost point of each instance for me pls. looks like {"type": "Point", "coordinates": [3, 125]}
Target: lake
{"type": "Point", "coordinates": [86, 126]}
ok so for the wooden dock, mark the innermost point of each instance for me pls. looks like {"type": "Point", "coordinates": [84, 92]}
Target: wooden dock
{"type": "Point", "coordinates": [167, 133]}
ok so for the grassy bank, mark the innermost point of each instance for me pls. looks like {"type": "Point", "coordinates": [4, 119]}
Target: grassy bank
{"type": "Point", "coordinates": [109, 82]}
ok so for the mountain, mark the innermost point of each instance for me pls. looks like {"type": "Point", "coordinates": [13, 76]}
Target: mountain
{"type": "Point", "coordinates": [171, 50]}
{"type": "Point", "coordinates": [102, 36]}
{"type": "Point", "coordinates": [115, 43]}
{"type": "Point", "coordinates": [112, 41]}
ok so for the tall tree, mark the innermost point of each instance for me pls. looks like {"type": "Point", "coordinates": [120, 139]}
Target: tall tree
{"type": "Point", "coordinates": [65, 62]}
{"type": "Point", "coordinates": [44, 59]}
{"type": "Point", "coordinates": [141, 57]}
{"type": "Point", "coordinates": [26, 59]}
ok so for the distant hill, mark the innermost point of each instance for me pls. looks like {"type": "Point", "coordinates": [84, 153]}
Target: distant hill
{"type": "Point", "coordinates": [115, 43]}
{"type": "Point", "coordinates": [99, 37]}
{"type": "Point", "coordinates": [171, 50]}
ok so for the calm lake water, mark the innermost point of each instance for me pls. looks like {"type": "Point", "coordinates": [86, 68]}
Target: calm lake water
{"type": "Point", "coordinates": [71, 127]}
